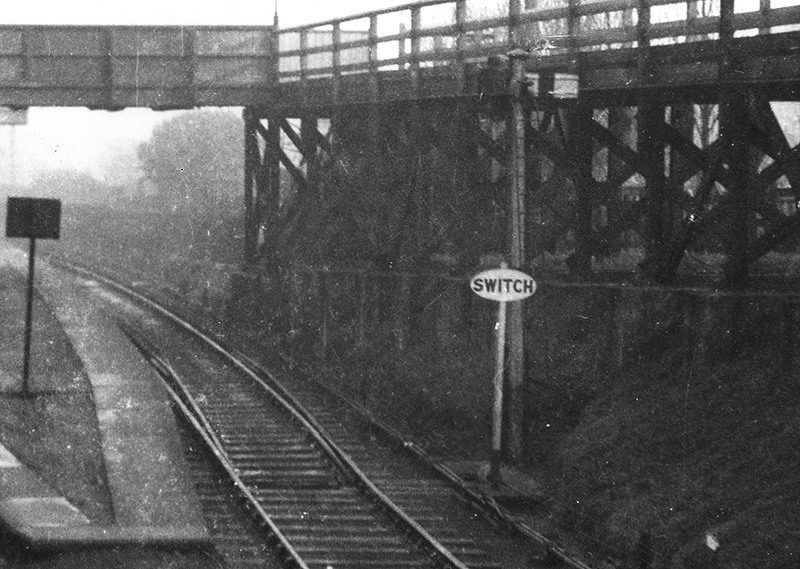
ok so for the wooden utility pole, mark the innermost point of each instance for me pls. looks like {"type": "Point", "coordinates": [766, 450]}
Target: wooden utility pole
{"type": "Point", "coordinates": [515, 343]}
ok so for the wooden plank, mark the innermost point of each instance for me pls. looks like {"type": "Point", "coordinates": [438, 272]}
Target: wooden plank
{"type": "Point", "coordinates": [775, 235]}
{"type": "Point", "coordinates": [239, 42]}
{"type": "Point", "coordinates": [66, 71]}
{"type": "Point", "coordinates": [702, 159]}
{"type": "Point", "coordinates": [11, 69]}
{"type": "Point", "coordinates": [293, 170]}
{"type": "Point", "coordinates": [58, 41]}
{"type": "Point", "coordinates": [10, 42]}
{"type": "Point", "coordinates": [231, 72]}
{"type": "Point", "coordinates": [161, 72]}
{"type": "Point", "coordinates": [620, 149]}
{"type": "Point", "coordinates": [149, 41]}
{"type": "Point", "coordinates": [293, 136]}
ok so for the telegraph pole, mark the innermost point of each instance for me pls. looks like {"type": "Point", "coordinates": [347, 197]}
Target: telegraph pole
{"type": "Point", "coordinates": [516, 328]}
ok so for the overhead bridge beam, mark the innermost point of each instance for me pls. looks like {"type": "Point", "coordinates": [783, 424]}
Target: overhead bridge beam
{"type": "Point", "coordinates": [113, 67]}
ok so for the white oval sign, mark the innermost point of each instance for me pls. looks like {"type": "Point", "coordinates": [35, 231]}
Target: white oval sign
{"type": "Point", "coordinates": [503, 285]}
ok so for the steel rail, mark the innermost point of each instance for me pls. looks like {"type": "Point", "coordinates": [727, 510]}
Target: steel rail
{"type": "Point", "coordinates": [298, 411]}
{"type": "Point", "coordinates": [478, 499]}
{"type": "Point", "coordinates": [194, 416]}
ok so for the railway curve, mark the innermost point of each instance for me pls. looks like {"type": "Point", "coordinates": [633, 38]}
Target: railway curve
{"type": "Point", "coordinates": [324, 477]}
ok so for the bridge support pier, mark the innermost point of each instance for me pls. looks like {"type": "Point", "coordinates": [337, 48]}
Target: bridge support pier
{"type": "Point", "coordinates": [261, 185]}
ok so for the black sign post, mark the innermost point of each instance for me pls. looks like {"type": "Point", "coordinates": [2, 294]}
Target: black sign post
{"type": "Point", "coordinates": [34, 218]}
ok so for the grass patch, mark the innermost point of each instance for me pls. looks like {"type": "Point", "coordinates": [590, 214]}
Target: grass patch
{"type": "Point", "coordinates": [54, 430]}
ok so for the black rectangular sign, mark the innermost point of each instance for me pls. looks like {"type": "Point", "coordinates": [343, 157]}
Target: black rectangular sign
{"type": "Point", "coordinates": [37, 218]}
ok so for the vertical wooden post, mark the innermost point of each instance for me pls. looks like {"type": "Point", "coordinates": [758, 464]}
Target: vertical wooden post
{"type": "Point", "coordinates": [764, 8]}
{"type": "Point", "coordinates": [733, 117]}
{"type": "Point", "coordinates": [304, 65]}
{"type": "Point", "coordinates": [461, 42]}
{"type": "Point", "coordinates": [416, 50]}
{"type": "Point", "coordinates": [374, 87]}
{"type": "Point", "coordinates": [272, 167]}
{"type": "Point", "coordinates": [651, 150]}
{"type": "Point", "coordinates": [516, 357]}
{"type": "Point", "coordinates": [26, 358]}
{"type": "Point", "coordinates": [401, 47]}
{"type": "Point", "coordinates": [275, 52]}
{"type": "Point", "coordinates": [518, 160]}
{"type": "Point", "coordinates": [336, 63]}
{"type": "Point", "coordinates": [497, 389]}
{"type": "Point", "coordinates": [514, 32]}
{"type": "Point", "coordinates": [251, 166]}
{"type": "Point", "coordinates": [308, 138]}
{"type": "Point", "coordinates": [580, 263]}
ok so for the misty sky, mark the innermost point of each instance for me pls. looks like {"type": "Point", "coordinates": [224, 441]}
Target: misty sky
{"type": "Point", "coordinates": [91, 141]}
{"type": "Point", "coordinates": [181, 12]}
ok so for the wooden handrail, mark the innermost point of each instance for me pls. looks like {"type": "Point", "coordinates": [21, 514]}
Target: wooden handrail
{"type": "Point", "coordinates": [525, 24]}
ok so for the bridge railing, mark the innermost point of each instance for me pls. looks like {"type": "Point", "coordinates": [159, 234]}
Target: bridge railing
{"type": "Point", "coordinates": [456, 32]}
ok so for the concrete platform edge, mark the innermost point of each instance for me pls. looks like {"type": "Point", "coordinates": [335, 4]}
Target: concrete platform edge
{"type": "Point", "coordinates": [63, 537]}
{"type": "Point", "coordinates": [75, 529]}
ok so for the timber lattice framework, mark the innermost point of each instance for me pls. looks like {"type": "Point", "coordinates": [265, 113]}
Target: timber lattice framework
{"type": "Point", "coordinates": [646, 121]}
{"type": "Point", "coordinates": [613, 121]}
{"type": "Point", "coordinates": [598, 125]}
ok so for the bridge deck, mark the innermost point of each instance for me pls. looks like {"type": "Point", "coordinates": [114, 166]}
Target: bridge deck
{"type": "Point", "coordinates": [116, 67]}
{"type": "Point", "coordinates": [609, 48]}
{"type": "Point", "coordinates": [434, 48]}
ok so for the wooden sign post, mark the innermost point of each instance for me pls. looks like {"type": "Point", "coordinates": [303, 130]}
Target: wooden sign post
{"type": "Point", "coordinates": [501, 285]}
{"type": "Point", "coordinates": [32, 218]}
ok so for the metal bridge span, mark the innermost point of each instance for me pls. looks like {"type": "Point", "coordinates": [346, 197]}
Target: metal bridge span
{"type": "Point", "coordinates": [595, 116]}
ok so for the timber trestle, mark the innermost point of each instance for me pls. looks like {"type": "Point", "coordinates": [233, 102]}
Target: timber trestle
{"type": "Point", "coordinates": [607, 125]}
{"type": "Point", "coordinates": [568, 133]}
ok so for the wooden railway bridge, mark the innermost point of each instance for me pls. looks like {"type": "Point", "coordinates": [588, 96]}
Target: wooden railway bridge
{"type": "Point", "coordinates": [604, 119]}
{"type": "Point", "coordinates": [602, 102]}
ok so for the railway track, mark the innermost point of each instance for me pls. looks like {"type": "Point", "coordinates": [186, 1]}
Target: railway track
{"type": "Point", "coordinates": [318, 492]}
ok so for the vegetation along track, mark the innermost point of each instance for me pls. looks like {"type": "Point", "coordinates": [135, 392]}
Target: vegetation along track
{"type": "Point", "coordinates": [348, 503]}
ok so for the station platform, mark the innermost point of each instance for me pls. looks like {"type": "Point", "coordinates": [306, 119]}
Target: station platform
{"type": "Point", "coordinates": [152, 498]}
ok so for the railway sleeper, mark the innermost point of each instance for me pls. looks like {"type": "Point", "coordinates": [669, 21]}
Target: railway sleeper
{"type": "Point", "coordinates": [317, 539]}
{"type": "Point", "coordinates": [299, 472]}
{"type": "Point", "coordinates": [317, 508]}
{"type": "Point", "coordinates": [260, 435]}
{"type": "Point", "coordinates": [365, 526]}
{"type": "Point", "coordinates": [269, 450]}
{"type": "Point", "coordinates": [336, 558]}
{"type": "Point", "coordinates": [418, 492]}
{"type": "Point", "coordinates": [316, 511]}
{"type": "Point", "coordinates": [292, 484]}
{"type": "Point", "coordinates": [268, 443]}
{"type": "Point", "coordinates": [343, 494]}
{"type": "Point", "coordinates": [299, 465]}
{"type": "Point", "coordinates": [369, 563]}
{"type": "Point", "coordinates": [291, 520]}
{"type": "Point", "coordinates": [259, 422]}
